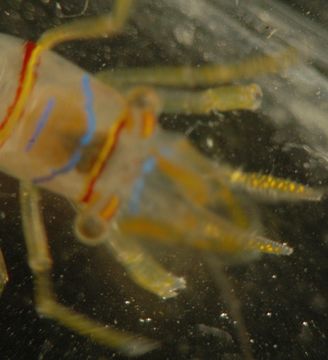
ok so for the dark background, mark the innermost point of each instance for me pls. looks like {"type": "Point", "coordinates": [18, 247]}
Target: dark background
{"type": "Point", "coordinates": [284, 300]}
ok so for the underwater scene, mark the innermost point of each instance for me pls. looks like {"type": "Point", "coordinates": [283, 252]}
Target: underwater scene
{"type": "Point", "coordinates": [163, 179]}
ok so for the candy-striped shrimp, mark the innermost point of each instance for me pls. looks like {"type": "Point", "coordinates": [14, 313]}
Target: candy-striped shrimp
{"type": "Point", "coordinates": [71, 133]}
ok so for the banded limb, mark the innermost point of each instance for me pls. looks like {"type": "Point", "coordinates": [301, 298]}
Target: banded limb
{"type": "Point", "coordinates": [214, 234]}
{"type": "Point", "coordinates": [3, 273]}
{"type": "Point", "coordinates": [190, 192]}
{"type": "Point", "coordinates": [267, 186]}
{"type": "Point", "coordinates": [271, 187]}
{"type": "Point", "coordinates": [40, 263]}
{"type": "Point", "coordinates": [205, 184]}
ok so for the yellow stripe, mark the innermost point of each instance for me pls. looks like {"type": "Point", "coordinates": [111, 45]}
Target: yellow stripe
{"type": "Point", "coordinates": [105, 151]}
{"type": "Point", "coordinates": [192, 184]}
{"type": "Point", "coordinates": [109, 210]}
{"type": "Point", "coordinates": [148, 124]}
{"type": "Point", "coordinates": [27, 86]}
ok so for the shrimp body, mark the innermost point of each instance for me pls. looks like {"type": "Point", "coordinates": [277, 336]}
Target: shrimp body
{"type": "Point", "coordinates": [70, 120]}
{"type": "Point", "coordinates": [66, 131]}
{"type": "Point", "coordinates": [85, 141]}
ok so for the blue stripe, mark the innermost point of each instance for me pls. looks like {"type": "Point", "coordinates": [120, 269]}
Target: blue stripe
{"type": "Point", "coordinates": [147, 168]}
{"type": "Point", "coordinates": [84, 140]}
{"type": "Point", "coordinates": [73, 161]}
{"type": "Point", "coordinates": [41, 124]}
{"type": "Point", "coordinates": [91, 119]}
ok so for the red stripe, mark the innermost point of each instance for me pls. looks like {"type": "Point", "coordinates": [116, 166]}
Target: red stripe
{"type": "Point", "coordinates": [29, 47]}
{"type": "Point", "coordinates": [86, 198]}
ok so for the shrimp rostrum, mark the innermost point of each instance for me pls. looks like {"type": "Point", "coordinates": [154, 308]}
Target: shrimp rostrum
{"type": "Point", "coordinates": [74, 134]}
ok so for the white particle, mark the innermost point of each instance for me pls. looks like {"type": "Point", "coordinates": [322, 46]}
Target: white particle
{"type": "Point", "coordinates": [209, 142]}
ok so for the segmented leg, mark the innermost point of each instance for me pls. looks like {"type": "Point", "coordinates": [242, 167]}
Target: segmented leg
{"type": "Point", "coordinates": [271, 187]}
{"type": "Point", "coordinates": [203, 185]}
{"type": "Point", "coordinates": [40, 263]}
{"type": "Point", "coordinates": [143, 269]}
{"type": "Point", "coordinates": [267, 186]}
{"type": "Point", "coordinates": [223, 98]}
{"type": "Point", "coordinates": [203, 76]}
{"type": "Point", "coordinates": [108, 24]}
{"type": "Point", "coordinates": [3, 273]}
{"type": "Point", "coordinates": [214, 235]}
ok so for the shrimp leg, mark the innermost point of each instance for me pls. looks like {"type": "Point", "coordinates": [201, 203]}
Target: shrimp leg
{"type": "Point", "coordinates": [266, 186]}
{"type": "Point", "coordinates": [188, 100]}
{"type": "Point", "coordinates": [40, 263]}
{"type": "Point", "coordinates": [3, 273]}
{"type": "Point", "coordinates": [108, 24]}
{"type": "Point", "coordinates": [143, 269]}
{"type": "Point", "coordinates": [223, 98]}
{"type": "Point", "coordinates": [203, 76]}
{"type": "Point", "coordinates": [139, 264]}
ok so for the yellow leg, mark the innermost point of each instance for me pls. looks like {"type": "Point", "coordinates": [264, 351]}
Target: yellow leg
{"type": "Point", "coordinates": [40, 263]}
{"type": "Point", "coordinates": [271, 187]}
{"type": "Point", "coordinates": [214, 235]}
{"type": "Point", "coordinates": [143, 269]}
{"type": "Point", "coordinates": [190, 182]}
{"type": "Point", "coordinates": [267, 186]}
{"type": "Point", "coordinates": [203, 76]}
{"type": "Point", "coordinates": [3, 273]}
{"type": "Point", "coordinates": [223, 98]}
{"type": "Point", "coordinates": [226, 98]}
{"type": "Point", "coordinates": [104, 25]}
